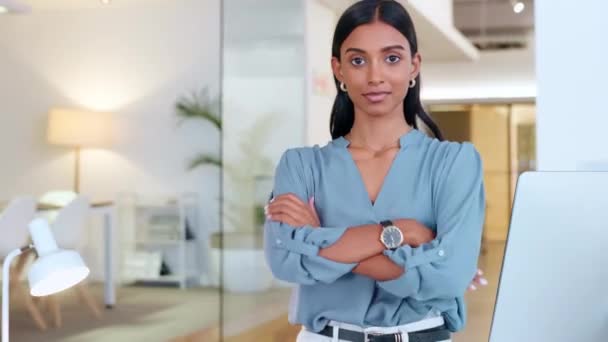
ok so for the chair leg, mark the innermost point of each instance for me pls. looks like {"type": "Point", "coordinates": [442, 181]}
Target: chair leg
{"type": "Point", "coordinates": [31, 307]}
{"type": "Point", "coordinates": [16, 284]}
{"type": "Point", "coordinates": [54, 309]}
{"type": "Point", "coordinates": [86, 296]}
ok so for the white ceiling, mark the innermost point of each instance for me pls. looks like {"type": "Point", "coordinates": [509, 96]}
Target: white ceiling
{"type": "Point", "coordinates": [437, 43]}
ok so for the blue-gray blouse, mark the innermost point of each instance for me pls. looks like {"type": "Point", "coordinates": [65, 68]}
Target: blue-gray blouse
{"type": "Point", "coordinates": [439, 184]}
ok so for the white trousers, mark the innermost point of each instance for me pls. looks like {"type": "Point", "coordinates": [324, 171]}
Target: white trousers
{"type": "Point", "coordinates": [309, 336]}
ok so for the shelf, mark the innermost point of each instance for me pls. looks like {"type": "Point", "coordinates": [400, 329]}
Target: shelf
{"type": "Point", "coordinates": [159, 242]}
{"type": "Point", "coordinates": [160, 228]}
{"type": "Point", "coordinates": [162, 279]}
{"type": "Point", "coordinates": [163, 242]}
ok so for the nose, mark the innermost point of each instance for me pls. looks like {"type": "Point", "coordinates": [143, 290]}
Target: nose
{"type": "Point", "coordinates": [375, 74]}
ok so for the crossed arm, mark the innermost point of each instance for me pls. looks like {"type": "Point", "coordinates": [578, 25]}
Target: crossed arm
{"type": "Point", "coordinates": [361, 246]}
{"type": "Point", "coordinates": [355, 246]}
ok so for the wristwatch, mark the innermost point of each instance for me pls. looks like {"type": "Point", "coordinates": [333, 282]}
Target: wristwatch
{"type": "Point", "coordinates": [391, 236]}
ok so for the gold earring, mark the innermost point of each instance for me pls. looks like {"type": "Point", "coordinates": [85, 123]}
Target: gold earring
{"type": "Point", "coordinates": [343, 87]}
{"type": "Point", "coordinates": [412, 83]}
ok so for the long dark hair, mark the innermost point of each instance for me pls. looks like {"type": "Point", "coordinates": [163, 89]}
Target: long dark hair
{"type": "Point", "coordinates": [391, 13]}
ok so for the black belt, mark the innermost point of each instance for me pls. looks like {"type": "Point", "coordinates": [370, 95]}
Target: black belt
{"type": "Point", "coordinates": [440, 333]}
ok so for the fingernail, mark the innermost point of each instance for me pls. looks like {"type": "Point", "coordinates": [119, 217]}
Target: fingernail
{"type": "Point", "coordinates": [483, 281]}
{"type": "Point", "coordinates": [265, 209]}
{"type": "Point", "coordinates": [473, 287]}
{"type": "Point", "coordinates": [479, 272]}
{"type": "Point", "coordinates": [269, 217]}
{"type": "Point", "coordinates": [272, 199]}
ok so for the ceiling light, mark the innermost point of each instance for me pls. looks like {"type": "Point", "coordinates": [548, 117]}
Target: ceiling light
{"type": "Point", "coordinates": [3, 9]}
{"type": "Point", "coordinates": [106, 2]}
{"type": "Point", "coordinates": [518, 7]}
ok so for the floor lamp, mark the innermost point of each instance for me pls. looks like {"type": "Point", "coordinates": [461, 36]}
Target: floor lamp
{"type": "Point", "coordinates": [55, 269]}
{"type": "Point", "coordinates": [78, 129]}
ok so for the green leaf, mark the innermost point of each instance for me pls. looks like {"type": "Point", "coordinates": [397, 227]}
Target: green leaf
{"type": "Point", "coordinates": [205, 159]}
{"type": "Point", "coordinates": [198, 106]}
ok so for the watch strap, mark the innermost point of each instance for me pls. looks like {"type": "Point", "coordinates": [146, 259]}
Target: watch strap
{"type": "Point", "coordinates": [386, 223]}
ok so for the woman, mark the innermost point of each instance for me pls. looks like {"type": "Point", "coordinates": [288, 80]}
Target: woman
{"type": "Point", "coordinates": [381, 228]}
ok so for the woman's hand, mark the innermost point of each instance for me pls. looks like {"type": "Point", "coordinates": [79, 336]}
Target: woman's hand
{"type": "Point", "coordinates": [478, 281]}
{"type": "Point", "coordinates": [289, 209]}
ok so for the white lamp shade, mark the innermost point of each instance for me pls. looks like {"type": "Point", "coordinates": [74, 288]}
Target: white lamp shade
{"type": "Point", "coordinates": [56, 272]}
{"type": "Point", "coordinates": [55, 269]}
{"type": "Point", "coordinates": [79, 128]}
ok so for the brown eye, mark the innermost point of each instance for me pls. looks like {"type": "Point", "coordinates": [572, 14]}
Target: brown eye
{"type": "Point", "coordinates": [392, 59]}
{"type": "Point", "coordinates": [357, 61]}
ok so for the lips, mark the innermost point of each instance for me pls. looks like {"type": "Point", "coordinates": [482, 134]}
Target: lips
{"type": "Point", "coordinates": [376, 96]}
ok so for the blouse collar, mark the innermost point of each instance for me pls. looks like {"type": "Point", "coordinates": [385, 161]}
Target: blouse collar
{"type": "Point", "coordinates": [411, 138]}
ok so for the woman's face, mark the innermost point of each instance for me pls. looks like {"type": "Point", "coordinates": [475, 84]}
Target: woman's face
{"type": "Point", "coordinates": [376, 65]}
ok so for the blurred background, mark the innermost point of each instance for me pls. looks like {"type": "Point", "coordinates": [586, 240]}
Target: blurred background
{"type": "Point", "coordinates": [182, 109]}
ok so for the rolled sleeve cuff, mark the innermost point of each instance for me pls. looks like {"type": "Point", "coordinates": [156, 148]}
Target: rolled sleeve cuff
{"type": "Point", "coordinates": [306, 242]}
{"type": "Point", "coordinates": [410, 259]}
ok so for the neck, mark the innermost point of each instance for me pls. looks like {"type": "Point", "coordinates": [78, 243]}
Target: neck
{"type": "Point", "coordinates": [377, 133]}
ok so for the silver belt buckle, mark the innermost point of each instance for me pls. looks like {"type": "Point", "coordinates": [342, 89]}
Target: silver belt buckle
{"type": "Point", "coordinates": [398, 336]}
{"type": "Point", "coordinates": [367, 335]}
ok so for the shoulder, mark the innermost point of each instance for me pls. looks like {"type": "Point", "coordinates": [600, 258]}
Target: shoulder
{"type": "Point", "coordinates": [304, 161]}
{"type": "Point", "coordinates": [449, 156]}
{"type": "Point", "coordinates": [306, 156]}
{"type": "Point", "coordinates": [300, 155]}
{"type": "Point", "coordinates": [296, 170]}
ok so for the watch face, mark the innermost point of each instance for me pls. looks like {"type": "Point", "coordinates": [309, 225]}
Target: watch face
{"type": "Point", "coordinates": [391, 237]}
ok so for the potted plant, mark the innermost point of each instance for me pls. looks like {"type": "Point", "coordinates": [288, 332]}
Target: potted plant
{"type": "Point", "coordinates": [241, 241]}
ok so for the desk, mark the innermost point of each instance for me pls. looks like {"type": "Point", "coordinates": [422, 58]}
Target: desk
{"type": "Point", "coordinates": [107, 210]}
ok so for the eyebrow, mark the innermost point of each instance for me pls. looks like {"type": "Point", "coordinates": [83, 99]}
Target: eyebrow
{"type": "Point", "coordinates": [384, 49]}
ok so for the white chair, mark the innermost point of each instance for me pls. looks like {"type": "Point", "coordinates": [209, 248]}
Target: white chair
{"type": "Point", "coordinates": [59, 198]}
{"type": "Point", "coordinates": [14, 221]}
{"type": "Point", "coordinates": [70, 230]}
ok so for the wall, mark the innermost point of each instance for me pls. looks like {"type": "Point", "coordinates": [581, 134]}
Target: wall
{"type": "Point", "coordinates": [263, 100]}
{"type": "Point", "coordinates": [134, 61]}
{"type": "Point", "coordinates": [496, 75]}
{"type": "Point", "coordinates": [321, 89]}
{"type": "Point", "coordinates": [571, 109]}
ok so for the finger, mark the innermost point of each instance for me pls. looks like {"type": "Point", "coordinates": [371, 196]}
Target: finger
{"type": "Point", "coordinates": [294, 202]}
{"type": "Point", "coordinates": [287, 207]}
{"type": "Point", "coordinates": [301, 207]}
{"type": "Point", "coordinates": [299, 216]}
{"type": "Point", "coordinates": [284, 218]}
{"type": "Point", "coordinates": [294, 207]}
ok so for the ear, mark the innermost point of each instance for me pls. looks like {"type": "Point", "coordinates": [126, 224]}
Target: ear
{"type": "Point", "coordinates": [336, 68]}
{"type": "Point", "coordinates": [416, 64]}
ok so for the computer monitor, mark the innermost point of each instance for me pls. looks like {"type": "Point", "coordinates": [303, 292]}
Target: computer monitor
{"type": "Point", "coordinates": [554, 281]}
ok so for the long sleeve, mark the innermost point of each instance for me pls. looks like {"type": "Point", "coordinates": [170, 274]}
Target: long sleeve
{"type": "Point", "coordinates": [444, 267]}
{"type": "Point", "coordinates": [292, 252]}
